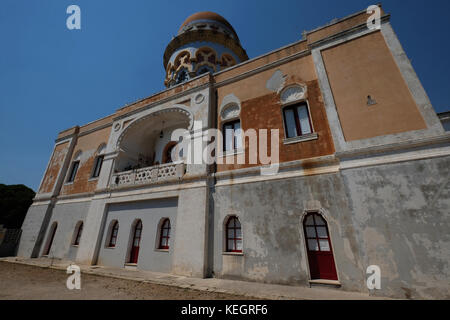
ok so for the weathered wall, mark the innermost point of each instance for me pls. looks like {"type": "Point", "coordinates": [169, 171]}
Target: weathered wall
{"type": "Point", "coordinates": [150, 213]}
{"type": "Point", "coordinates": [56, 162]}
{"type": "Point", "coordinates": [401, 217]}
{"type": "Point", "coordinates": [261, 109]}
{"type": "Point", "coordinates": [362, 67]}
{"type": "Point", "coordinates": [67, 216]}
{"type": "Point", "coordinates": [33, 231]}
{"type": "Point", "coordinates": [394, 216]}
{"type": "Point", "coordinates": [88, 145]}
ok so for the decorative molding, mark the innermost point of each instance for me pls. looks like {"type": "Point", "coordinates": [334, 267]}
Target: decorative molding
{"type": "Point", "coordinates": [293, 93]}
{"type": "Point", "coordinates": [230, 111]}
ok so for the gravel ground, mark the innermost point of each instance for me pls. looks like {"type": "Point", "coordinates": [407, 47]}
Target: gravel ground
{"type": "Point", "coordinates": [29, 282]}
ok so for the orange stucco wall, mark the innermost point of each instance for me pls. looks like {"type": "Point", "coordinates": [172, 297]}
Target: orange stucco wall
{"type": "Point", "coordinates": [88, 145]}
{"type": "Point", "coordinates": [363, 67]}
{"type": "Point", "coordinates": [261, 109]}
{"type": "Point", "coordinates": [56, 162]}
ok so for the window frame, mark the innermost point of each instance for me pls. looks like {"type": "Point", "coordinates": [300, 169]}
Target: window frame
{"type": "Point", "coordinates": [293, 106]}
{"type": "Point", "coordinates": [97, 166]}
{"type": "Point", "coordinates": [73, 171]}
{"type": "Point", "coordinates": [235, 238]}
{"type": "Point", "coordinates": [162, 236]}
{"type": "Point", "coordinates": [234, 140]}
{"type": "Point", "coordinates": [112, 235]}
{"type": "Point", "coordinates": [76, 241]}
{"type": "Point", "coordinates": [50, 239]}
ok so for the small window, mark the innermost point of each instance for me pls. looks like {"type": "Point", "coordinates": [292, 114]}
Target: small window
{"type": "Point", "coordinates": [297, 121]}
{"type": "Point", "coordinates": [97, 166]}
{"type": "Point", "coordinates": [233, 235]}
{"type": "Point", "coordinates": [73, 171]}
{"type": "Point", "coordinates": [164, 235]}
{"type": "Point", "coordinates": [232, 139]}
{"type": "Point", "coordinates": [76, 242]}
{"type": "Point", "coordinates": [113, 237]}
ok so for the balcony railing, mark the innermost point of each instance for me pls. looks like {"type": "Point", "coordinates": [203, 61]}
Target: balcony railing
{"type": "Point", "coordinates": [160, 173]}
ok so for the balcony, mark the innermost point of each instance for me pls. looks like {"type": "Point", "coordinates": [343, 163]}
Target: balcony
{"type": "Point", "coordinates": [151, 175]}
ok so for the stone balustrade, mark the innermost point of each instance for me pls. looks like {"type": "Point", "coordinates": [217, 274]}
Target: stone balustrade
{"type": "Point", "coordinates": [160, 173]}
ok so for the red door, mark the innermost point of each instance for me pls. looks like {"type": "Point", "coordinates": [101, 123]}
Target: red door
{"type": "Point", "coordinates": [134, 254]}
{"type": "Point", "coordinates": [320, 251]}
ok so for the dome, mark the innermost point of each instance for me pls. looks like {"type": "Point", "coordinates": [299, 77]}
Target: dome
{"type": "Point", "coordinates": [206, 43]}
{"type": "Point", "coordinates": [205, 16]}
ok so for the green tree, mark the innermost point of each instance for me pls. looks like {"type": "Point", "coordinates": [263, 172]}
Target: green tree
{"type": "Point", "coordinates": [14, 203]}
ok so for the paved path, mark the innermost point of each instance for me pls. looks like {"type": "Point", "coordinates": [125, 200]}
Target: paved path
{"type": "Point", "coordinates": [213, 285]}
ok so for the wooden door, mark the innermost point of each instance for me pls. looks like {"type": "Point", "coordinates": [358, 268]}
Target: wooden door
{"type": "Point", "coordinates": [134, 254]}
{"type": "Point", "coordinates": [320, 251]}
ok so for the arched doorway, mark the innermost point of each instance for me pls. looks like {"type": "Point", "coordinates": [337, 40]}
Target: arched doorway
{"type": "Point", "coordinates": [320, 250]}
{"type": "Point", "coordinates": [134, 250]}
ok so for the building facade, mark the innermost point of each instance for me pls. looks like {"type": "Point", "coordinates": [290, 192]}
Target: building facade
{"type": "Point", "coordinates": [363, 167]}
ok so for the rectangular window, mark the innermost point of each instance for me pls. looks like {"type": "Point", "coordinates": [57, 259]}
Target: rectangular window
{"type": "Point", "coordinates": [97, 166]}
{"type": "Point", "coordinates": [232, 136]}
{"type": "Point", "coordinates": [297, 121]}
{"type": "Point", "coordinates": [73, 171]}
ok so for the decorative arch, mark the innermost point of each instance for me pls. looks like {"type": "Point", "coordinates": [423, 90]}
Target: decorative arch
{"type": "Point", "coordinates": [176, 108]}
{"type": "Point", "coordinates": [230, 111]}
{"type": "Point", "coordinates": [101, 149]}
{"type": "Point", "coordinates": [293, 93]}
{"type": "Point", "coordinates": [227, 60]}
{"type": "Point", "coordinates": [205, 56]}
{"type": "Point", "coordinates": [183, 59]}
{"type": "Point", "coordinates": [77, 155]}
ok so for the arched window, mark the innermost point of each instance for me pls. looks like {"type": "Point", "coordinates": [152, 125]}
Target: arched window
{"type": "Point", "coordinates": [233, 235]}
{"type": "Point", "coordinates": [134, 254]}
{"type": "Point", "coordinates": [232, 138]}
{"type": "Point", "coordinates": [98, 161]}
{"type": "Point", "coordinates": [320, 251]}
{"type": "Point", "coordinates": [74, 167]}
{"type": "Point", "coordinates": [113, 237]}
{"type": "Point", "coordinates": [77, 238]}
{"type": "Point", "coordinates": [51, 237]}
{"type": "Point", "coordinates": [164, 235]}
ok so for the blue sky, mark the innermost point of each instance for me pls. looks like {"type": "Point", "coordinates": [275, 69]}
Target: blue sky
{"type": "Point", "coordinates": [52, 78]}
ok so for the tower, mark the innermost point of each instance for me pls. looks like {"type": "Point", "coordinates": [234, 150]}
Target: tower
{"type": "Point", "coordinates": [206, 42]}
